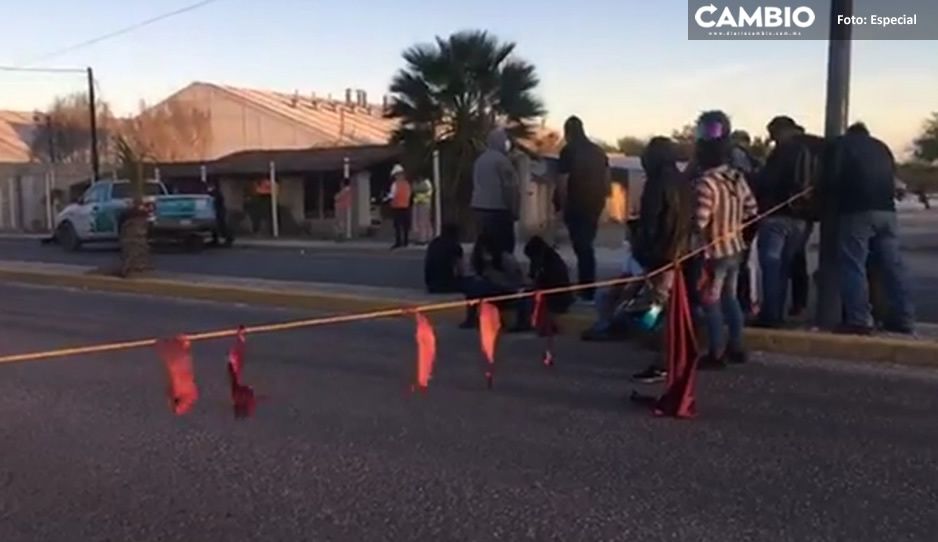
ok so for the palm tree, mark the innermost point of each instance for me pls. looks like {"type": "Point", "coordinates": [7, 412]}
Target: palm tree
{"type": "Point", "coordinates": [450, 94]}
{"type": "Point", "coordinates": [134, 245]}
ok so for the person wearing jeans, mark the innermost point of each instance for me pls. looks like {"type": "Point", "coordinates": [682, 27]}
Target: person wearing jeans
{"type": "Point", "coordinates": [873, 235]}
{"type": "Point", "coordinates": [780, 240]}
{"type": "Point", "coordinates": [789, 170]}
{"type": "Point", "coordinates": [721, 306]}
{"type": "Point", "coordinates": [862, 185]}
{"type": "Point", "coordinates": [724, 204]}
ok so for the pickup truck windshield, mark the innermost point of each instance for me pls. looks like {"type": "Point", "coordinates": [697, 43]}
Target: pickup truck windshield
{"type": "Point", "coordinates": [125, 191]}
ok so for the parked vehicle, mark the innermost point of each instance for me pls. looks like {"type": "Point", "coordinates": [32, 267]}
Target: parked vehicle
{"type": "Point", "coordinates": [95, 217]}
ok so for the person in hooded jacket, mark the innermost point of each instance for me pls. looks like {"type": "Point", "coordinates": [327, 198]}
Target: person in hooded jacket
{"type": "Point", "coordinates": [663, 231]}
{"type": "Point", "coordinates": [665, 212]}
{"type": "Point", "coordinates": [547, 271]}
{"type": "Point", "coordinates": [583, 188]}
{"type": "Point", "coordinates": [496, 195]}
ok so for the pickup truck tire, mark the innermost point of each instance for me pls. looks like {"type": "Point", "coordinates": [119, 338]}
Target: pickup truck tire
{"type": "Point", "coordinates": [67, 237]}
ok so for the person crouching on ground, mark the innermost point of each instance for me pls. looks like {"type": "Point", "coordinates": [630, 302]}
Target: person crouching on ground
{"type": "Point", "coordinates": [548, 271]}
{"type": "Point", "coordinates": [443, 268]}
{"type": "Point", "coordinates": [724, 203]}
{"type": "Point", "coordinates": [496, 273]}
{"type": "Point", "coordinates": [400, 198]}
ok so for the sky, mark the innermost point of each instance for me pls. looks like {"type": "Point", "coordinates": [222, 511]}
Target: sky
{"type": "Point", "coordinates": [624, 66]}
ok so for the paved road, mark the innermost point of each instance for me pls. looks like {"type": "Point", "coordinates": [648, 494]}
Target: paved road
{"type": "Point", "coordinates": [784, 450]}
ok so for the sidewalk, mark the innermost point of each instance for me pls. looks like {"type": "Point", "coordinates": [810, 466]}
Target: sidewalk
{"type": "Point", "coordinates": [605, 256]}
{"type": "Point", "coordinates": [343, 299]}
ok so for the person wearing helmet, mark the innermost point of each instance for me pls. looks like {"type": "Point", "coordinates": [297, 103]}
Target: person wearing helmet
{"type": "Point", "coordinates": [724, 203]}
{"type": "Point", "coordinates": [400, 197]}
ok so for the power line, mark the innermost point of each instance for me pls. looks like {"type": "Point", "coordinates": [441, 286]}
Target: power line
{"type": "Point", "coordinates": [41, 70]}
{"type": "Point", "coordinates": [120, 32]}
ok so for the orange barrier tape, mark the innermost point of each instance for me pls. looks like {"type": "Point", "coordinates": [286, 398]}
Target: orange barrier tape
{"type": "Point", "coordinates": [387, 313]}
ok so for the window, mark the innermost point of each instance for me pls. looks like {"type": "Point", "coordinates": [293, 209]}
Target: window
{"type": "Point", "coordinates": [125, 190]}
{"type": "Point", "coordinates": [97, 193]}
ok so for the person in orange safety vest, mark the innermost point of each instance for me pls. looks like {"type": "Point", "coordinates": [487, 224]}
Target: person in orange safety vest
{"type": "Point", "coordinates": [400, 198]}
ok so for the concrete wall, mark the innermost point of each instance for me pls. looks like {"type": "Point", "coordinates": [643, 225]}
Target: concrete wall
{"type": "Point", "coordinates": [237, 127]}
{"type": "Point", "coordinates": [361, 204]}
{"type": "Point", "coordinates": [292, 193]}
{"type": "Point", "coordinates": [23, 191]}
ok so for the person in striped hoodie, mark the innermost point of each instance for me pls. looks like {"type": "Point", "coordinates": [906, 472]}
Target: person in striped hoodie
{"type": "Point", "coordinates": [724, 202]}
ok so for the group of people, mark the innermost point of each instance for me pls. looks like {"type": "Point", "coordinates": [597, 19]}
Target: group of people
{"type": "Point", "coordinates": [583, 186]}
{"type": "Point", "coordinates": [410, 205]}
{"type": "Point", "coordinates": [747, 221]}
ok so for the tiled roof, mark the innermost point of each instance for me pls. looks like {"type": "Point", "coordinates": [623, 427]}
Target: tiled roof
{"type": "Point", "coordinates": [338, 122]}
{"type": "Point", "coordinates": [16, 128]}
{"type": "Point", "coordinates": [342, 124]}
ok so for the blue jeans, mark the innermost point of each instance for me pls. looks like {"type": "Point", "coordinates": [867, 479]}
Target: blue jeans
{"type": "Point", "coordinates": [721, 305]}
{"type": "Point", "coordinates": [873, 235]}
{"type": "Point", "coordinates": [780, 240]}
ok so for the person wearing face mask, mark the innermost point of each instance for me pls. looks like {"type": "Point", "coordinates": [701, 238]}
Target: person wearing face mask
{"type": "Point", "coordinates": [496, 195]}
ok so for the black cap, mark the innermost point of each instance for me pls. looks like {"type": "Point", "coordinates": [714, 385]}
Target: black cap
{"type": "Point", "coordinates": [782, 122]}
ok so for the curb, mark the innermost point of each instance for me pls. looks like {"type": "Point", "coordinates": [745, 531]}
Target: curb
{"type": "Point", "coordinates": [789, 342]}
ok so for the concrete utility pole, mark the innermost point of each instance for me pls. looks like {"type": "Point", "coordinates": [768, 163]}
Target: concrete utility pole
{"type": "Point", "coordinates": [830, 305]}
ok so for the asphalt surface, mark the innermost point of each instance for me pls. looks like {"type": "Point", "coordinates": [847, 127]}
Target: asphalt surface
{"type": "Point", "coordinates": [341, 450]}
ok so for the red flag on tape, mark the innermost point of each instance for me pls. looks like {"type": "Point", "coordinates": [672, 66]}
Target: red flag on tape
{"type": "Point", "coordinates": [543, 323]}
{"type": "Point", "coordinates": [242, 396]}
{"type": "Point", "coordinates": [490, 324]}
{"type": "Point", "coordinates": [177, 358]}
{"type": "Point", "coordinates": [678, 400]}
{"type": "Point", "coordinates": [426, 351]}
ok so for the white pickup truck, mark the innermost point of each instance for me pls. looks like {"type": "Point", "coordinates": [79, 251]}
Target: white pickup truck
{"type": "Point", "coordinates": [95, 217]}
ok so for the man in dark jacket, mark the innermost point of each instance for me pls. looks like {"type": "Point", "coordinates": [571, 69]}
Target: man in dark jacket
{"type": "Point", "coordinates": [789, 170]}
{"type": "Point", "coordinates": [221, 215]}
{"type": "Point", "coordinates": [861, 184]}
{"type": "Point", "coordinates": [583, 187]}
